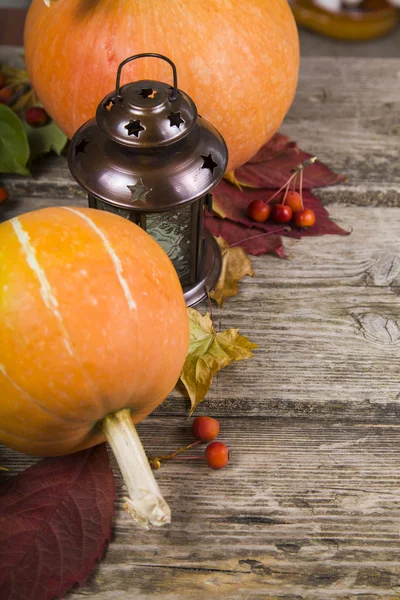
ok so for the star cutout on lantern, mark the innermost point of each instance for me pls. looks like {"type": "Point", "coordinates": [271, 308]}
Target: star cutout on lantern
{"type": "Point", "coordinates": [175, 119]}
{"type": "Point", "coordinates": [147, 93]}
{"type": "Point", "coordinates": [80, 148]}
{"type": "Point", "coordinates": [139, 192]}
{"type": "Point", "coordinates": [208, 163]}
{"type": "Point", "coordinates": [109, 104]}
{"type": "Point", "coordinates": [134, 127]}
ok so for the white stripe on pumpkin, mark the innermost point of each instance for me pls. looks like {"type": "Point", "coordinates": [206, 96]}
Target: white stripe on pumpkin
{"type": "Point", "coordinates": [112, 254]}
{"type": "Point", "coordinates": [45, 288]}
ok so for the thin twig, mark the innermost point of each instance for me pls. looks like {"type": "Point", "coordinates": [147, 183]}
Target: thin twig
{"type": "Point", "coordinates": [286, 193]}
{"type": "Point", "coordinates": [301, 190]}
{"type": "Point", "coordinates": [155, 461]}
{"type": "Point", "coordinates": [188, 457]}
{"type": "Point", "coordinates": [304, 164]}
{"type": "Point", "coordinates": [261, 235]}
{"type": "Point", "coordinates": [283, 187]}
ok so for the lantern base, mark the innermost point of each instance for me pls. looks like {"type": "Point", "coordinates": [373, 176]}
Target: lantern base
{"type": "Point", "coordinates": [210, 270]}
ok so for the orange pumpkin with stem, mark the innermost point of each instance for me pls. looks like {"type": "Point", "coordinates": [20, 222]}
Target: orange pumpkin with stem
{"type": "Point", "coordinates": [238, 61]}
{"type": "Point", "coordinates": [93, 336]}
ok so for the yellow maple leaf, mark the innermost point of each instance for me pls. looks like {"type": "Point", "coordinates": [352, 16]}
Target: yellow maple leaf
{"type": "Point", "coordinates": [235, 265]}
{"type": "Point", "coordinates": [209, 352]}
{"type": "Point", "coordinates": [231, 177]}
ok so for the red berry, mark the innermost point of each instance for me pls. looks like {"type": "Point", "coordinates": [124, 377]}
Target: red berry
{"type": "Point", "coordinates": [205, 429]}
{"type": "Point", "coordinates": [281, 213]}
{"type": "Point", "coordinates": [3, 195]}
{"type": "Point", "coordinates": [36, 116]}
{"type": "Point", "coordinates": [217, 455]}
{"type": "Point", "coordinates": [305, 218]}
{"type": "Point", "coordinates": [2, 80]}
{"type": "Point", "coordinates": [293, 199]}
{"type": "Point", "coordinates": [5, 94]}
{"type": "Point", "coordinates": [258, 211]}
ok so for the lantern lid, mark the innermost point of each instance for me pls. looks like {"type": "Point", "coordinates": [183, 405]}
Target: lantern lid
{"type": "Point", "coordinates": [147, 149]}
{"type": "Point", "coordinates": [146, 114]}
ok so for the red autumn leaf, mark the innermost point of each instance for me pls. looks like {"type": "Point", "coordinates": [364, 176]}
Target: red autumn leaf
{"type": "Point", "coordinates": [323, 223]}
{"type": "Point", "coordinates": [275, 145]}
{"type": "Point", "coordinates": [55, 520]}
{"type": "Point", "coordinates": [232, 203]}
{"type": "Point", "coordinates": [272, 166]}
{"type": "Point", "coordinates": [252, 241]}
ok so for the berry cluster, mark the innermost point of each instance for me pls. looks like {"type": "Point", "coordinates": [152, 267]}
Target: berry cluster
{"type": "Point", "coordinates": [36, 116]}
{"type": "Point", "coordinates": [3, 195]}
{"type": "Point", "coordinates": [204, 429]}
{"type": "Point", "coordinates": [16, 92]}
{"type": "Point", "coordinates": [290, 205]}
{"type": "Point", "coordinates": [5, 91]}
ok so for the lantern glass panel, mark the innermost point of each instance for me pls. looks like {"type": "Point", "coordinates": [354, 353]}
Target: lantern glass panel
{"type": "Point", "coordinates": [172, 230]}
{"type": "Point", "coordinates": [122, 212]}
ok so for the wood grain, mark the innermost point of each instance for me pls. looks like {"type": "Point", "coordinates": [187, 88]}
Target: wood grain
{"type": "Point", "coordinates": [346, 111]}
{"type": "Point", "coordinates": [305, 510]}
{"type": "Point", "coordinates": [309, 508]}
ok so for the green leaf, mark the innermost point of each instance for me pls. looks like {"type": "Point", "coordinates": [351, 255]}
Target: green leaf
{"type": "Point", "coordinates": [45, 139]}
{"type": "Point", "coordinates": [14, 146]}
{"type": "Point", "coordinates": [209, 352]}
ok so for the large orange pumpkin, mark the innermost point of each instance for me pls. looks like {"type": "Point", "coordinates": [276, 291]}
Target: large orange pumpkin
{"type": "Point", "coordinates": [237, 60]}
{"type": "Point", "coordinates": [92, 320]}
{"type": "Point", "coordinates": [93, 336]}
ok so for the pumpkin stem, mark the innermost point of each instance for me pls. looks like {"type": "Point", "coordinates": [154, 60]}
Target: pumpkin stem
{"type": "Point", "coordinates": [145, 502]}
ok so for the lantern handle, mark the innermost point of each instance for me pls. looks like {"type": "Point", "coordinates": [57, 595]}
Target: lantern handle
{"type": "Point", "coordinates": [146, 55]}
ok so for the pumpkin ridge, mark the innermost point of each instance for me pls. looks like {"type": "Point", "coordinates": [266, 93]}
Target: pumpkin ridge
{"type": "Point", "coordinates": [47, 295]}
{"type": "Point", "coordinates": [134, 357]}
{"type": "Point", "coordinates": [45, 288]}
{"type": "Point", "coordinates": [111, 253]}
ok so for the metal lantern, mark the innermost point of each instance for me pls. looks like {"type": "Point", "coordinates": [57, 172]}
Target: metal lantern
{"type": "Point", "coordinates": [150, 158]}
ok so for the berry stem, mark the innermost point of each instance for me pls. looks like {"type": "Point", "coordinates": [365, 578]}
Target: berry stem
{"type": "Point", "coordinates": [286, 193]}
{"type": "Point", "coordinates": [156, 460]}
{"type": "Point", "coordinates": [301, 189]}
{"type": "Point", "coordinates": [260, 235]}
{"type": "Point", "coordinates": [299, 169]}
{"type": "Point", "coordinates": [173, 454]}
{"type": "Point", "coordinates": [188, 458]}
{"type": "Point", "coordinates": [282, 188]}
{"type": "Point", "coordinates": [305, 164]}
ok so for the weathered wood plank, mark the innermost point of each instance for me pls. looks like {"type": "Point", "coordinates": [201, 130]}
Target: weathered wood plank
{"type": "Point", "coordinates": [305, 510]}
{"type": "Point", "coordinates": [312, 44]}
{"type": "Point", "coordinates": [309, 508]}
{"type": "Point", "coordinates": [346, 111]}
{"type": "Point", "coordinates": [328, 327]}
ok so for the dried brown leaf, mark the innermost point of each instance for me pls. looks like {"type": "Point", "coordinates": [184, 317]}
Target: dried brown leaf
{"type": "Point", "coordinates": [235, 265]}
{"type": "Point", "coordinates": [209, 352]}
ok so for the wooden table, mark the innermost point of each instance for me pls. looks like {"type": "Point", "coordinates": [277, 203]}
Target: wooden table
{"type": "Point", "coordinates": [309, 507]}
